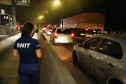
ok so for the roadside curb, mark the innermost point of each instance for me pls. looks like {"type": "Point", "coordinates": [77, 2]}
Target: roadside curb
{"type": "Point", "coordinates": [2, 37]}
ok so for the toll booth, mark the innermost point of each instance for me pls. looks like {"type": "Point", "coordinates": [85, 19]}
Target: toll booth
{"type": "Point", "coordinates": [7, 24]}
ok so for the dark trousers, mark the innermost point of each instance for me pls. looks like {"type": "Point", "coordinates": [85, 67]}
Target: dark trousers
{"type": "Point", "coordinates": [29, 73]}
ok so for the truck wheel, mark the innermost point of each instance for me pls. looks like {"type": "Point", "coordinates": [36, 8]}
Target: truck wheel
{"type": "Point", "coordinates": [75, 59]}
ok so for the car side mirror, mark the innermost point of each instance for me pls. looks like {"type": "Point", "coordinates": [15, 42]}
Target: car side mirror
{"type": "Point", "coordinates": [86, 46]}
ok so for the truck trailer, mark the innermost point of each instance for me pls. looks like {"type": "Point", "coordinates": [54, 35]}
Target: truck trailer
{"type": "Point", "coordinates": [85, 24]}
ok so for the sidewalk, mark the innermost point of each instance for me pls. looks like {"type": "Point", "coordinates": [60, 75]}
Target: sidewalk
{"type": "Point", "coordinates": [3, 37]}
{"type": "Point", "coordinates": [8, 63]}
{"type": "Point", "coordinates": [7, 41]}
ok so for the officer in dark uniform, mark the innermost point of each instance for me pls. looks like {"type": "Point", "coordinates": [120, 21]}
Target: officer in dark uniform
{"type": "Point", "coordinates": [28, 49]}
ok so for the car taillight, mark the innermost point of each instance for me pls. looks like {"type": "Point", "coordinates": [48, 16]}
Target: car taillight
{"type": "Point", "coordinates": [72, 35]}
{"type": "Point", "coordinates": [56, 35]}
{"type": "Point", "coordinates": [86, 29]}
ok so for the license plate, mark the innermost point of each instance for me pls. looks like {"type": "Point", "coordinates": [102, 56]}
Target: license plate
{"type": "Point", "coordinates": [64, 41]}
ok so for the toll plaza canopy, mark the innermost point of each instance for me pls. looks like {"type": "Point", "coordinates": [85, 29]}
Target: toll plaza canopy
{"type": "Point", "coordinates": [18, 2]}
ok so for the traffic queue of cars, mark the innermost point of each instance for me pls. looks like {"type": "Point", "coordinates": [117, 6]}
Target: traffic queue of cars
{"type": "Point", "coordinates": [60, 35]}
{"type": "Point", "coordinates": [104, 57]}
{"type": "Point", "coordinates": [48, 31]}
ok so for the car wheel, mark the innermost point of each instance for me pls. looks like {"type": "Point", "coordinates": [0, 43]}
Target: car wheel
{"type": "Point", "coordinates": [75, 59]}
{"type": "Point", "coordinates": [114, 81]}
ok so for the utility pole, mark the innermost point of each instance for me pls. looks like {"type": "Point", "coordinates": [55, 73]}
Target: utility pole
{"type": "Point", "coordinates": [14, 9]}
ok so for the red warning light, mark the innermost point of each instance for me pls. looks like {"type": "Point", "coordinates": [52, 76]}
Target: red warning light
{"type": "Point", "coordinates": [16, 25]}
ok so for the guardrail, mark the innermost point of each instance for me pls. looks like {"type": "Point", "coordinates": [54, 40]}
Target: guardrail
{"type": "Point", "coordinates": [52, 69]}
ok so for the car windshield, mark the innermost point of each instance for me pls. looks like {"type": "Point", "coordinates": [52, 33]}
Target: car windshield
{"type": "Point", "coordinates": [66, 31]}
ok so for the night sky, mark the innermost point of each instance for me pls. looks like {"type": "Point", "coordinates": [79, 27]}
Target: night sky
{"type": "Point", "coordinates": [66, 8]}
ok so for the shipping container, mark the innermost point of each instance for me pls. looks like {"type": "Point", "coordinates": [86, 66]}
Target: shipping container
{"type": "Point", "coordinates": [87, 23]}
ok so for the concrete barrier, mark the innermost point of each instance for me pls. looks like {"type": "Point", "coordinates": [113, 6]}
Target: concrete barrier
{"type": "Point", "coordinates": [52, 69]}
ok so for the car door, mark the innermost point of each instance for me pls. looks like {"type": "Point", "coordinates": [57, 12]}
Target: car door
{"type": "Point", "coordinates": [106, 59]}
{"type": "Point", "coordinates": [85, 58]}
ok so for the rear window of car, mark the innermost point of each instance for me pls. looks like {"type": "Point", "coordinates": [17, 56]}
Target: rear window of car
{"type": "Point", "coordinates": [66, 31]}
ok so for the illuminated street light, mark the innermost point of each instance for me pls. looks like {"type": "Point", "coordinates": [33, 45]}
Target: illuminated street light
{"type": "Point", "coordinates": [56, 2]}
{"type": "Point", "coordinates": [40, 17]}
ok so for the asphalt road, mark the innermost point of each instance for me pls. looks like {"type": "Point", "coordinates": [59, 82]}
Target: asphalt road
{"type": "Point", "coordinates": [64, 51]}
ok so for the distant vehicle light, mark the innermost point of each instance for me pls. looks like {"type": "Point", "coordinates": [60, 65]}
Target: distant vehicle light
{"type": "Point", "coordinates": [86, 29]}
{"type": "Point", "coordinates": [46, 26]}
{"type": "Point", "coordinates": [107, 38]}
{"type": "Point", "coordinates": [94, 31]}
{"type": "Point", "coordinates": [16, 25]}
{"type": "Point", "coordinates": [82, 34]}
{"type": "Point", "coordinates": [72, 35]}
{"type": "Point", "coordinates": [56, 35]}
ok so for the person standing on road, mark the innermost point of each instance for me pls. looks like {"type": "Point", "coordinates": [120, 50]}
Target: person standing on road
{"type": "Point", "coordinates": [28, 49]}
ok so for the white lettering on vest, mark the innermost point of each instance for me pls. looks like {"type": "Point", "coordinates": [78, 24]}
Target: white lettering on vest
{"type": "Point", "coordinates": [23, 45]}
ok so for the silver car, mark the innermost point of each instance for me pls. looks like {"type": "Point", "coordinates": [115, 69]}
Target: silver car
{"type": "Point", "coordinates": [104, 57]}
{"type": "Point", "coordinates": [61, 35]}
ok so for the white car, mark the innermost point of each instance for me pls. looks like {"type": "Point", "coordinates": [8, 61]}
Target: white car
{"type": "Point", "coordinates": [104, 57]}
{"type": "Point", "coordinates": [61, 35]}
